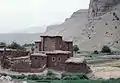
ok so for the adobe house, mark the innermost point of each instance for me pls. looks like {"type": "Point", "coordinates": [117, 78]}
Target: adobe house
{"type": "Point", "coordinates": [37, 46]}
{"type": "Point", "coordinates": [56, 59]}
{"type": "Point", "coordinates": [68, 46]}
{"type": "Point", "coordinates": [12, 52]}
{"type": "Point", "coordinates": [20, 64]}
{"type": "Point", "coordinates": [38, 60]}
{"type": "Point", "coordinates": [50, 43]}
{"type": "Point", "coordinates": [75, 65]}
{"type": "Point", "coordinates": [51, 52]}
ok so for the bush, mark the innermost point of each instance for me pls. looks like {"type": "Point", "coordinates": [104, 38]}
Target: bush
{"type": "Point", "coordinates": [95, 52]}
{"type": "Point", "coordinates": [82, 76]}
{"type": "Point", "coordinates": [50, 73]}
{"type": "Point", "coordinates": [75, 48]}
{"type": "Point", "coordinates": [34, 77]}
{"type": "Point", "coordinates": [51, 78]}
{"type": "Point", "coordinates": [67, 76]}
{"type": "Point", "coordinates": [106, 49]}
{"type": "Point", "coordinates": [75, 78]}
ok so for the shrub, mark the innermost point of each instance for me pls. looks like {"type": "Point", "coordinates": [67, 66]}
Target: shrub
{"type": "Point", "coordinates": [51, 78]}
{"type": "Point", "coordinates": [75, 78]}
{"type": "Point", "coordinates": [95, 52]}
{"type": "Point", "coordinates": [50, 73]}
{"type": "Point", "coordinates": [82, 76]}
{"type": "Point", "coordinates": [106, 49]}
{"type": "Point", "coordinates": [33, 77]}
{"type": "Point", "coordinates": [68, 76]}
{"type": "Point", "coordinates": [75, 48]}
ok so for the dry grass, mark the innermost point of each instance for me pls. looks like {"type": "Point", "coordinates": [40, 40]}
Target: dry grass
{"type": "Point", "coordinates": [107, 70]}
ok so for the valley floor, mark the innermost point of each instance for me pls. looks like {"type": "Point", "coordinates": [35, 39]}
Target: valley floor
{"type": "Point", "coordinates": [106, 70]}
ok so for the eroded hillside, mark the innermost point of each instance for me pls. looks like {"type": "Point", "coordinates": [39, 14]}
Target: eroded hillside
{"type": "Point", "coordinates": [93, 28]}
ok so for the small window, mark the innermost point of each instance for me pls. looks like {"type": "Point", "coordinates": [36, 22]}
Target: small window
{"type": "Point", "coordinates": [53, 59]}
{"type": "Point", "coordinates": [59, 59]}
{"type": "Point", "coordinates": [35, 57]}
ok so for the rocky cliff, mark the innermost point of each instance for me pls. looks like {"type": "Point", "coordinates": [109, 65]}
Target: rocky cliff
{"type": "Point", "coordinates": [92, 28]}
{"type": "Point", "coordinates": [100, 7]}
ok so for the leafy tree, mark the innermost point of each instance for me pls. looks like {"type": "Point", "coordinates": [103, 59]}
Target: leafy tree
{"type": "Point", "coordinates": [27, 45]}
{"type": "Point", "coordinates": [3, 44]}
{"type": "Point", "coordinates": [15, 45]}
{"type": "Point", "coordinates": [106, 49]}
{"type": "Point", "coordinates": [75, 48]}
{"type": "Point", "coordinates": [95, 52]}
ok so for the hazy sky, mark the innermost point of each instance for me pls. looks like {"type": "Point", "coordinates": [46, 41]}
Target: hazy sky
{"type": "Point", "coordinates": [18, 15]}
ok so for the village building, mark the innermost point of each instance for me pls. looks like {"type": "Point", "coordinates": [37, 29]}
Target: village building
{"type": "Point", "coordinates": [52, 52]}
{"type": "Point", "coordinates": [37, 46]}
{"type": "Point", "coordinates": [75, 65]}
{"type": "Point", "coordinates": [56, 59]}
{"type": "Point", "coordinates": [21, 64]}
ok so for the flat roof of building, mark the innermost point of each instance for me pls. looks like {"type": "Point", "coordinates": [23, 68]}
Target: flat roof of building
{"type": "Point", "coordinates": [56, 52]}
{"type": "Point", "coordinates": [18, 58]}
{"type": "Point", "coordinates": [38, 54]}
{"type": "Point", "coordinates": [37, 41]}
{"type": "Point", "coordinates": [50, 36]}
{"type": "Point", "coordinates": [76, 60]}
{"type": "Point", "coordinates": [7, 49]}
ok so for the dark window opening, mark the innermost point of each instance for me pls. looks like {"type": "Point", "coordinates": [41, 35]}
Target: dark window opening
{"type": "Point", "coordinates": [35, 57]}
{"type": "Point", "coordinates": [53, 59]}
{"type": "Point", "coordinates": [59, 59]}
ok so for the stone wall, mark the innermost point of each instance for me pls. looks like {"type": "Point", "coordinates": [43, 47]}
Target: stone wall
{"type": "Point", "coordinates": [20, 65]}
{"type": "Point", "coordinates": [38, 61]}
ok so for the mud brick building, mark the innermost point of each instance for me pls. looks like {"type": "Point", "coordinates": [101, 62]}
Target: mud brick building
{"type": "Point", "coordinates": [76, 65]}
{"type": "Point", "coordinates": [38, 60]}
{"type": "Point", "coordinates": [52, 52]}
{"type": "Point", "coordinates": [50, 43]}
{"type": "Point", "coordinates": [56, 59]}
{"type": "Point", "coordinates": [37, 46]}
{"type": "Point", "coordinates": [21, 64]}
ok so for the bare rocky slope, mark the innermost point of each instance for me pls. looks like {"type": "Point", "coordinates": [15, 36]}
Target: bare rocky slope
{"type": "Point", "coordinates": [92, 28]}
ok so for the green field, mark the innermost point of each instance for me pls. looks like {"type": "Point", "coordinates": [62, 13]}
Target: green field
{"type": "Point", "coordinates": [76, 81]}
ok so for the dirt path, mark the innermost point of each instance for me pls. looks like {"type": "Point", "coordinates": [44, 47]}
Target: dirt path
{"type": "Point", "coordinates": [106, 72]}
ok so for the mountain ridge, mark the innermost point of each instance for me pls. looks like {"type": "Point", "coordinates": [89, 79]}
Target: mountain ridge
{"type": "Point", "coordinates": [90, 31]}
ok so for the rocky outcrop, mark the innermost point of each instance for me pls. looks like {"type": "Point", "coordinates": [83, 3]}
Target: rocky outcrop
{"type": "Point", "coordinates": [100, 7]}
{"type": "Point", "coordinates": [93, 28]}
{"type": "Point", "coordinates": [73, 25]}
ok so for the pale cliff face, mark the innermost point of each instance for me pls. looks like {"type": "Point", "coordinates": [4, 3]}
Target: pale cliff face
{"type": "Point", "coordinates": [101, 28]}
{"type": "Point", "coordinates": [100, 7]}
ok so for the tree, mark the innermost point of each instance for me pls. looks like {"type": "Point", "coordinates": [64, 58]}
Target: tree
{"type": "Point", "coordinates": [27, 45]}
{"type": "Point", "coordinates": [95, 52]}
{"type": "Point", "coordinates": [106, 49]}
{"type": "Point", "coordinates": [75, 48]}
{"type": "Point", "coordinates": [15, 45]}
{"type": "Point", "coordinates": [3, 44]}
